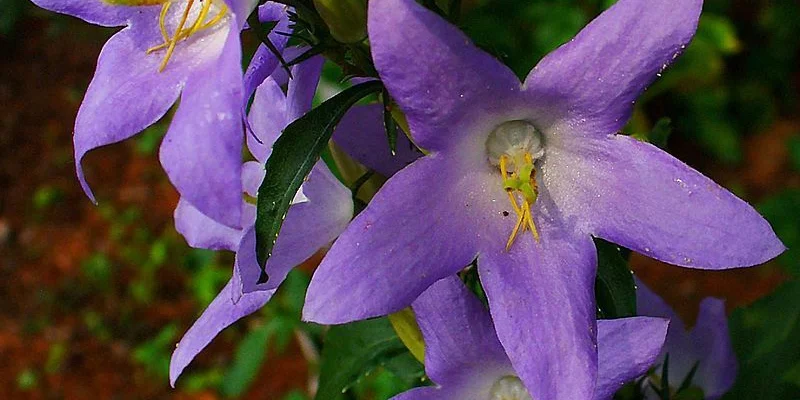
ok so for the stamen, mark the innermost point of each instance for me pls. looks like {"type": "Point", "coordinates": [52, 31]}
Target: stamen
{"type": "Point", "coordinates": [183, 32]}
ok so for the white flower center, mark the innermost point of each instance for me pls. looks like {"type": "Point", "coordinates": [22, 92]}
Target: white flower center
{"type": "Point", "coordinates": [509, 388]}
{"type": "Point", "coordinates": [514, 139]}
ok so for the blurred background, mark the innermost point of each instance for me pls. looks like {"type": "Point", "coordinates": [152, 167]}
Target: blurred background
{"type": "Point", "coordinates": [93, 298]}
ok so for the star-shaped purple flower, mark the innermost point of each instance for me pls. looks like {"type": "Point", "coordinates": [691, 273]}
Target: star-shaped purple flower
{"type": "Point", "coordinates": [520, 176]}
{"type": "Point", "coordinates": [466, 361]}
{"type": "Point", "coordinates": [320, 211]}
{"type": "Point", "coordinates": [186, 48]}
{"type": "Point", "coordinates": [707, 345]}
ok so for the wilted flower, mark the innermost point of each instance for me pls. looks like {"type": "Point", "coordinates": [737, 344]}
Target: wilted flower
{"type": "Point", "coordinates": [706, 348]}
{"type": "Point", "coordinates": [520, 176]}
{"type": "Point", "coordinates": [466, 361]}
{"type": "Point", "coordinates": [169, 47]}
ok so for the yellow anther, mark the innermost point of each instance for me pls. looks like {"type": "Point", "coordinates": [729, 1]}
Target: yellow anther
{"type": "Point", "coordinates": [183, 32]}
{"type": "Point", "coordinates": [521, 181]}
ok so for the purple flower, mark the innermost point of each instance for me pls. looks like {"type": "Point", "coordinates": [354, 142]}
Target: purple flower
{"type": "Point", "coordinates": [707, 345]}
{"type": "Point", "coordinates": [186, 48]}
{"type": "Point", "coordinates": [520, 176]}
{"type": "Point", "coordinates": [466, 361]}
{"type": "Point", "coordinates": [320, 211]}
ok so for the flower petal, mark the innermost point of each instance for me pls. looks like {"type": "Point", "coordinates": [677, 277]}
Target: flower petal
{"type": "Point", "coordinates": [590, 83]}
{"type": "Point", "coordinates": [411, 234]}
{"type": "Point", "coordinates": [302, 87]}
{"type": "Point", "coordinates": [626, 349]}
{"type": "Point", "coordinates": [635, 195]}
{"type": "Point", "coordinates": [717, 369]}
{"type": "Point", "coordinates": [460, 341]}
{"type": "Point", "coordinates": [541, 296]}
{"type": "Point", "coordinates": [267, 119]}
{"type": "Point", "coordinates": [126, 95]}
{"type": "Point", "coordinates": [434, 393]}
{"type": "Point", "coordinates": [202, 232]}
{"type": "Point", "coordinates": [263, 63]}
{"type": "Point", "coordinates": [308, 227]}
{"type": "Point", "coordinates": [362, 135]}
{"type": "Point", "coordinates": [439, 79]}
{"type": "Point", "coordinates": [202, 151]}
{"type": "Point", "coordinates": [95, 12]}
{"type": "Point", "coordinates": [220, 314]}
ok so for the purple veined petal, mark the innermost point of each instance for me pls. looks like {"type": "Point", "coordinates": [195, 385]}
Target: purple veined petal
{"type": "Point", "coordinates": [716, 372]}
{"type": "Point", "coordinates": [202, 232]}
{"type": "Point", "coordinates": [362, 135]}
{"type": "Point", "coordinates": [541, 296]}
{"type": "Point", "coordinates": [220, 314]}
{"type": "Point", "coordinates": [590, 83]}
{"type": "Point", "coordinates": [460, 341]}
{"type": "Point", "coordinates": [414, 50]}
{"type": "Point", "coordinates": [95, 12]}
{"type": "Point", "coordinates": [264, 63]}
{"type": "Point", "coordinates": [309, 226]}
{"type": "Point", "coordinates": [638, 196]}
{"type": "Point", "coordinates": [627, 348]}
{"type": "Point", "coordinates": [416, 230]}
{"type": "Point", "coordinates": [302, 87]}
{"type": "Point", "coordinates": [202, 150]}
{"type": "Point", "coordinates": [267, 119]}
{"type": "Point", "coordinates": [127, 93]}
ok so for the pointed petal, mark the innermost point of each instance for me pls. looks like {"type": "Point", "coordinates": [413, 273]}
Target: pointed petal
{"type": "Point", "coordinates": [638, 196]}
{"type": "Point", "coordinates": [202, 151]}
{"type": "Point", "coordinates": [308, 227]}
{"type": "Point", "coordinates": [435, 393]}
{"type": "Point", "coordinates": [717, 369]}
{"type": "Point", "coordinates": [541, 296]}
{"type": "Point", "coordinates": [590, 83]}
{"type": "Point", "coordinates": [220, 314]}
{"type": "Point", "coordinates": [375, 268]}
{"type": "Point", "coordinates": [267, 119]}
{"type": "Point", "coordinates": [95, 12]}
{"type": "Point", "coordinates": [202, 232]}
{"type": "Point", "coordinates": [626, 348]}
{"type": "Point", "coordinates": [302, 87]}
{"type": "Point", "coordinates": [450, 82]}
{"type": "Point", "coordinates": [362, 135]}
{"type": "Point", "coordinates": [264, 62]}
{"type": "Point", "coordinates": [126, 95]}
{"type": "Point", "coordinates": [460, 342]}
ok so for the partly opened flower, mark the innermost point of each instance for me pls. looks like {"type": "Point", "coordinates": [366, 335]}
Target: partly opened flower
{"type": "Point", "coordinates": [169, 47]}
{"type": "Point", "coordinates": [521, 176]}
{"type": "Point", "coordinates": [466, 361]}
{"type": "Point", "coordinates": [706, 348]}
{"type": "Point", "coordinates": [320, 211]}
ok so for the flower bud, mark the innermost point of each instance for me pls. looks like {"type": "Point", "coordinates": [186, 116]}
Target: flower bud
{"type": "Point", "coordinates": [346, 19]}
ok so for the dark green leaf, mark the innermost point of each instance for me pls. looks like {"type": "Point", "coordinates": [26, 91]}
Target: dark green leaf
{"type": "Point", "coordinates": [293, 155]}
{"type": "Point", "coordinates": [351, 351]}
{"type": "Point", "coordinates": [764, 336]}
{"type": "Point", "coordinates": [660, 133]}
{"type": "Point", "coordinates": [781, 211]}
{"type": "Point", "coordinates": [614, 286]}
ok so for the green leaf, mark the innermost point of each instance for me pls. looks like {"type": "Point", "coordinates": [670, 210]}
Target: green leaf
{"type": "Point", "coordinates": [293, 155]}
{"type": "Point", "coordinates": [352, 351]}
{"type": "Point", "coordinates": [764, 336]}
{"type": "Point", "coordinates": [614, 287]}
{"type": "Point", "coordinates": [781, 211]}
{"type": "Point", "coordinates": [249, 356]}
{"type": "Point", "coordinates": [660, 133]}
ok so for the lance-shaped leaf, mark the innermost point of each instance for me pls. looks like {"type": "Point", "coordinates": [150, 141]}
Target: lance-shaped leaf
{"type": "Point", "coordinates": [293, 156]}
{"type": "Point", "coordinates": [614, 287]}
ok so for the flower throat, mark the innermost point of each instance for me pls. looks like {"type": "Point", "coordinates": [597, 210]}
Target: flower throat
{"type": "Point", "coordinates": [514, 147]}
{"type": "Point", "coordinates": [184, 30]}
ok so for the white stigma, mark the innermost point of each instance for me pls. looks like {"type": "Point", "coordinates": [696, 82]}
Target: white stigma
{"type": "Point", "coordinates": [509, 388]}
{"type": "Point", "coordinates": [514, 139]}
